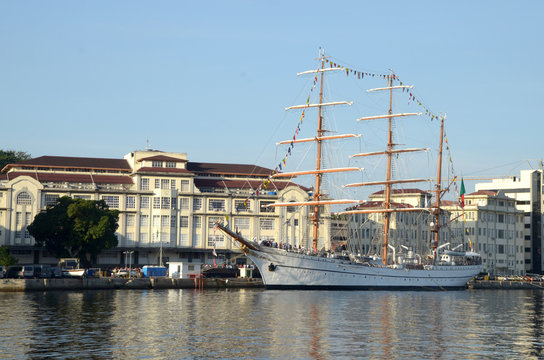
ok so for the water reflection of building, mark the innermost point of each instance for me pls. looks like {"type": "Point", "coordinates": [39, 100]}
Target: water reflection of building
{"type": "Point", "coordinates": [166, 203]}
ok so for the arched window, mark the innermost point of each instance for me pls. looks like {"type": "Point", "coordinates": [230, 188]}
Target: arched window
{"type": "Point", "coordinates": [291, 209]}
{"type": "Point", "coordinates": [24, 198]}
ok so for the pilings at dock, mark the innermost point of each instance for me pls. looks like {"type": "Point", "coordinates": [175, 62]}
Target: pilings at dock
{"type": "Point", "coordinates": [10, 285]}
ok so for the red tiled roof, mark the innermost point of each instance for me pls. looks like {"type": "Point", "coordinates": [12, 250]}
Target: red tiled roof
{"type": "Point", "coordinates": [243, 184]}
{"type": "Point", "coordinates": [73, 162]}
{"type": "Point", "coordinates": [163, 170]}
{"type": "Point", "coordinates": [227, 169]}
{"type": "Point", "coordinates": [448, 203]}
{"type": "Point", "coordinates": [72, 178]}
{"type": "Point", "coordinates": [483, 192]}
{"type": "Point", "coordinates": [163, 158]}
{"type": "Point", "coordinates": [378, 205]}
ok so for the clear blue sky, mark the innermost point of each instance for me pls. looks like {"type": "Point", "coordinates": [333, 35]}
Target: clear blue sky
{"type": "Point", "coordinates": [212, 78]}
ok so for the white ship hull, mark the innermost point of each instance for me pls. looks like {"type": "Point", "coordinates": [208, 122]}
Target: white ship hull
{"type": "Point", "coordinates": [284, 270]}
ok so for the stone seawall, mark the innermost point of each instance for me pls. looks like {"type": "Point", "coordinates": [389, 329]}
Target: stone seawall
{"type": "Point", "coordinates": [505, 284]}
{"type": "Point", "coordinates": [7, 285]}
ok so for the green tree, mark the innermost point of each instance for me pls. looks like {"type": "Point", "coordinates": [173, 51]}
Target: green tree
{"type": "Point", "coordinates": [11, 157]}
{"type": "Point", "coordinates": [5, 258]}
{"type": "Point", "coordinates": [76, 228]}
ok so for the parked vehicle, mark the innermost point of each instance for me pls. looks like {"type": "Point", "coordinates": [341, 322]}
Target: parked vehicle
{"type": "Point", "coordinates": [2, 271]}
{"type": "Point", "coordinates": [56, 272]}
{"type": "Point", "coordinates": [36, 271]}
{"type": "Point", "coordinates": [14, 272]}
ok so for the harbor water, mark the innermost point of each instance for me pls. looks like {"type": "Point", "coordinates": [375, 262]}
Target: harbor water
{"type": "Point", "coordinates": [264, 324]}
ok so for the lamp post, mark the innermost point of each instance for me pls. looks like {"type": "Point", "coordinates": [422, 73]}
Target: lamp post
{"type": "Point", "coordinates": [129, 253]}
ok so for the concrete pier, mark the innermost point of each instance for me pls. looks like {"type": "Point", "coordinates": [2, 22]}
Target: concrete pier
{"type": "Point", "coordinates": [505, 284]}
{"type": "Point", "coordinates": [10, 285]}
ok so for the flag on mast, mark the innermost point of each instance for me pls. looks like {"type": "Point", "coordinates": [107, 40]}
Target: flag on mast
{"type": "Point", "coordinates": [462, 194]}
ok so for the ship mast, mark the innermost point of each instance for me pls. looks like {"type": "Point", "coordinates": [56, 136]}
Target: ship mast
{"type": "Point", "coordinates": [387, 210]}
{"type": "Point", "coordinates": [318, 175]}
{"type": "Point", "coordinates": [317, 200]}
{"type": "Point", "coordinates": [436, 227]}
{"type": "Point", "coordinates": [389, 154]}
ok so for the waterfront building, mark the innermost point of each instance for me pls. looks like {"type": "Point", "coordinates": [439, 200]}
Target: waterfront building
{"type": "Point", "coordinates": [490, 223]}
{"type": "Point", "coordinates": [168, 205]}
{"type": "Point", "coordinates": [407, 229]}
{"type": "Point", "coordinates": [526, 190]}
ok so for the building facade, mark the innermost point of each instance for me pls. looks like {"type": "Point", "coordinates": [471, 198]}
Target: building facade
{"type": "Point", "coordinates": [168, 205]}
{"type": "Point", "coordinates": [406, 229]}
{"type": "Point", "coordinates": [491, 224]}
{"type": "Point", "coordinates": [526, 190]}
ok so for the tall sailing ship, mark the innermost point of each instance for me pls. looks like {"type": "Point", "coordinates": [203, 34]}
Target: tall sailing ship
{"type": "Point", "coordinates": [284, 268]}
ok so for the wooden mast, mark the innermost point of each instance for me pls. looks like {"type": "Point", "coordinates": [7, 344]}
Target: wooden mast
{"type": "Point", "coordinates": [318, 175]}
{"type": "Point", "coordinates": [436, 227]}
{"type": "Point", "coordinates": [389, 154]}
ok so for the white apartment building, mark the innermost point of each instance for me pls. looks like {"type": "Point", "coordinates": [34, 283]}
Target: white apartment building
{"type": "Point", "coordinates": [408, 229]}
{"type": "Point", "coordinates": [489, 222]}
{"type": "Point", "coordinates": [493, 226]}
{"type": "Point", "coordinates": [168, 205]}
{"type": "Point", "coordinates": [526, 190]}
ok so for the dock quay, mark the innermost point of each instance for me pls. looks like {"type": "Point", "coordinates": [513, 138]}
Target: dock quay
{"type": "Point", "coordinates": [21, 285]}
{"type": "Point", "coordinates": [505, 284]}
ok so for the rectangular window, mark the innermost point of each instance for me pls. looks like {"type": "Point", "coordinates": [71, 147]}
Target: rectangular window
{"type": "Point", "coordinates": [144, 202]}
{"type": "Point", "coordinates": [183, 221]}
{"type": "Point", "coordinates": [216, 205]}
{"type": "Point", "coordinates": [50, 200]}
{"type": "Point", "coordinates": [165, 203]}
{"type": "Point", "coordinates": [241, 223]}
{"type": "Point", "coordinates": [173, 184]}
{"type": "Point", "coordinates": [131, 219]}
{"type": "Point", "coordinates": [131, 202]}
{"type": "Point", "coordinates": [144, 184]}
{"type": "Point", "coordinates": [214, 240]}
{"type": "Point", "coordinates": [266, 224]}
{"type": "Point", "coordinates": [156, 163]}
{"type": "Point", "coordinates": [184, 203]}
{"type": "Point", "coordinates": [27, 218]}
{"type": "Point", "coordinates": [111, 201]}
{"type": "Point", "coordinates": [170, 164]}
{"type": "Point", "coordinates": [185, 185]}
{"type": "Point", "coordinates": [197, 222]}
{"type": "Point", "coordinates": [197, 204]}
{"type": "Point", "coordinates": [156, 202]}
{"type": "Point", "coordinates": [212, 220]}
{"type": "Point", "coordinates": [165, 221]}
{"type": "Point", "coordinates": [165, 183]}
{"type": "Point", "coordinates": [242, 205]}
{"type": "Point", "coordinates": [173, 221]}
{"type": "Point", "coordinates": [156, 221]}
{"type": "Point", "coordinates": [500, 234]}
{"type": "Point", "coordinates": [173, 203]}
{"type": "Point", "coordinates": [500, 218]}
{"type": "Point", "coordinates": [264, 208]}
{"type": "Point", "coordinates": [18, 218]}
{"type": "Point", "coordinates": [184, 239]}
{"type": "Point", "coordinates": [144, 220]}
{"type": "Point", "coordinates": [157, 183]}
